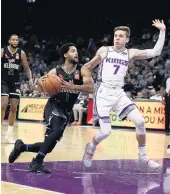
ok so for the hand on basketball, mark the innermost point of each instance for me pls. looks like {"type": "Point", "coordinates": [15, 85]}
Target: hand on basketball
{"type": "Point", "coordinates": [159, 24]}
{"type": "Point", "coordinates": [67, 85]}
{"type": "Point", "coordinates": [31, 84]}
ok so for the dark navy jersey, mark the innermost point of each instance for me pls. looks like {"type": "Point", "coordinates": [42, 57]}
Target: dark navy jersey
{"type": "Point", "coordinates": [10, 65]}
{"type": "Point", "coordinates": [67, 98]}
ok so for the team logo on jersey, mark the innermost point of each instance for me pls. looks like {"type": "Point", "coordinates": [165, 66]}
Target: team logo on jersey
{"type": "Point", "coordinates": [11, 60]}
{"type": "Point", "coordinates": [17, 56]}
{"type": "Point", "coordinates": [77, 75]}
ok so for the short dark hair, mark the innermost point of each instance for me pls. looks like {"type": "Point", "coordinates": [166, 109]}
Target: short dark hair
{"type": "Point", "coordinates": [64, 49]}
{"type": "Point", "coordinates": [13, 35]}
{"type": "Point", "coordinates": [123, 28]}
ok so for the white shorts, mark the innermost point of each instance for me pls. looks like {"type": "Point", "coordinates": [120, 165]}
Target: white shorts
{"type": "Point", "coordinates": [109, 99]}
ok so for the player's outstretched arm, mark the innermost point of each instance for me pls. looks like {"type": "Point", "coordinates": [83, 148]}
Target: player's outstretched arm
{"type": "Point", "coordinates": [156, 51]}
{"type": "Point", "coordinates": [88, 84]}
{"type": "Point", "coordinates": [100, 55]}
{"type": "Point", "coordinates": [27, 69]}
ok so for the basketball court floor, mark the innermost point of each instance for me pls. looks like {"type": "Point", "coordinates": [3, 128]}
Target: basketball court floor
{"type": "Point", "coordinates": [114, 170]}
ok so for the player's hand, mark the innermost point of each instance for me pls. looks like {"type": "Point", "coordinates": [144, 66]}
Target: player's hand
{"type": "Point", "coordinates": [159, 24]}
{"type": "Point", "coordinates": [67, 85]}
{"type": "Point", "coordinates": [31, 85]}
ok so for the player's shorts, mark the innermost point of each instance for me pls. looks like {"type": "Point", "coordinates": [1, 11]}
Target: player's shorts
{"type": "Point", "coordinates": [10, 89]}
{"type": "Point", "coordinates": [55, 118]}
{"type": "Point", "coordinates": [112, 99]}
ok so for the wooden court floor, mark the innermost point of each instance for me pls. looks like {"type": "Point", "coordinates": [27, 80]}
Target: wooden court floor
{"type": "Point", "coordinates": [120, 146]}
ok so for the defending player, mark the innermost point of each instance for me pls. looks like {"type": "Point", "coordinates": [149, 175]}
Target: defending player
{"type": "Point", "coordinates": [113, 65]}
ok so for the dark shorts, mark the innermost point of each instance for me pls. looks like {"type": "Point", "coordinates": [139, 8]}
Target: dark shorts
{"type": "Point", "coordinates": [10, 89]}
{"type": "Point", "coordinates": [55, 118]}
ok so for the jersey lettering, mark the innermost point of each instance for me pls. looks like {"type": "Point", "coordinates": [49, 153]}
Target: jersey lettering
{"type": "Point", "coordinates": [113, 68]}
{"type": "Point", "coordinates": [11, 66]}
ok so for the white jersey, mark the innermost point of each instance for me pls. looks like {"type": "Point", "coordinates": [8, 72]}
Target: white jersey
{"type": "Point", "coordinates": [113, 68]}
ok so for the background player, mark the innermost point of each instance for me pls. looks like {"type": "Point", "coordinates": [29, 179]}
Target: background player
{"type": "Point", "coordinates": [75, 79]}
{"type": "Point", "coordinates": [11, 58]}
{"type": "Point", "coordinates": [113, 67]}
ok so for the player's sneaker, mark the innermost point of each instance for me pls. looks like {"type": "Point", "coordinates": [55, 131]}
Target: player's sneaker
{"type": "Point", "coordinates": [88, 156]}
{"type": "Point", "coordinates": [146, 163]}
{"type": "Point", "coordinates": [168, 149]}
{"type": "Point", "coordinates": [16, 151]}
{"type": "Point", "coordinates": [37, 166]}
{"type": "Point", "coordinates": [9, 138]}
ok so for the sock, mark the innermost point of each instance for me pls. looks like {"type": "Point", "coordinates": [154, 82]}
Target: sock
{"type": "Point", "coordinates": [92, 146]}
{"type": "Point", "coordinates": [142, 150]}
{"type": "Point", "coordinates": [10, 129]}
{"type": "Point", "coordinates": [40, 156]}
{"type": "Point", "coordinates": [31, 147]}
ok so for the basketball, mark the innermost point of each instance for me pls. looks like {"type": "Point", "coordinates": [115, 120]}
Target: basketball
{"type": "Point", "coordinates": [51, 84]}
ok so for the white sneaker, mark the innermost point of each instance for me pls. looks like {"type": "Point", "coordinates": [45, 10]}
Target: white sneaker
{"type": "Point", "coordinates": [168, 149]}
{"type": "Point", "coordinates": [146, 163]}
{"type": "Point", "coordinates": [88, 156]}
{"type": "Point", "coordinates": [9, 138]}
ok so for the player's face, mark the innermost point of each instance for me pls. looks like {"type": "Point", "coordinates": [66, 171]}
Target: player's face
{"type": "Point", "coordinates": [72, 55]}
{"type": "Point", "coordinates": [120, 39]}
{"type": "Point", "coordinates": [14, 41]}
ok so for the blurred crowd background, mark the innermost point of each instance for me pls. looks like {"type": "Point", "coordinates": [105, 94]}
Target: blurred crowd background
{"type": "Point", "coordinates": [144, 76]}
{"type": "Point", "coordinates": [43, 27]}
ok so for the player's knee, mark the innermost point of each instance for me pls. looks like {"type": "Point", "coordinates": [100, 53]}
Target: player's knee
{"type": "Point", "coordinates": [106, 132]}
{"type": "Point", "coordinates": [140, 123]}
{"type": "Point", "coordinates": [4, 103]}
{"type": "Point", "coordinates": [105, 127]}
{"type": "Point", "coordinates": [3, 106]}
{"type": "Point", "coordinates": [13, 109]}
{"type": "Point", "coordinates": [140, 126]}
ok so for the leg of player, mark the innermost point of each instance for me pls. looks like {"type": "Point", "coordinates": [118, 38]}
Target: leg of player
{"type": "Point", "coordinates": [139, 121]}
{"type": "Point", "coordinates": [53, 135]}
{"type": "Point", "coordinates": [103, 133]}
{"type": "Point", "coordinates": [58, 125]}
{"type": "Point", "coordinates": [12, 118]}
{"type": "Point", "coordinates": [4, 103]}
{"type": "Point", "coordinates": [103, 107]}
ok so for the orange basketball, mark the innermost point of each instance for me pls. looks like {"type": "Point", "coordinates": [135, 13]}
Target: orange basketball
{"type": "Point", "coordinates": [51, 84]}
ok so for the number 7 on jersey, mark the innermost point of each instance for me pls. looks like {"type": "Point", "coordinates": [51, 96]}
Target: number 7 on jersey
{"type": "Point", "coordinates": [116, 68]}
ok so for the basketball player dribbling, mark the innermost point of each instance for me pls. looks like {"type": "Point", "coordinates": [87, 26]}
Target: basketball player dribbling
{"type": "Point", "coordinates": [113, 65]}
{"type": "Point", "coordinates": [75, 79]}
{"type": "Point", "coordinates": [11, 58]}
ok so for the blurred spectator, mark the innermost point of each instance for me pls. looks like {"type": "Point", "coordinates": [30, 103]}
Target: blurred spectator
{"type": "Point", "coordinates": [79, 108]}
{"type": "Point", "coordinates": [155, 95]}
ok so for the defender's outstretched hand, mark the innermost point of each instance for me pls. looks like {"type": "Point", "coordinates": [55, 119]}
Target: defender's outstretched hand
{"type": "Point", "coordinates": [159, 24]}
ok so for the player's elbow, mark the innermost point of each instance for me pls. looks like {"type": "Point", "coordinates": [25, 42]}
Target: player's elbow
{"type": "Point", "coordinates": [158, 52]}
